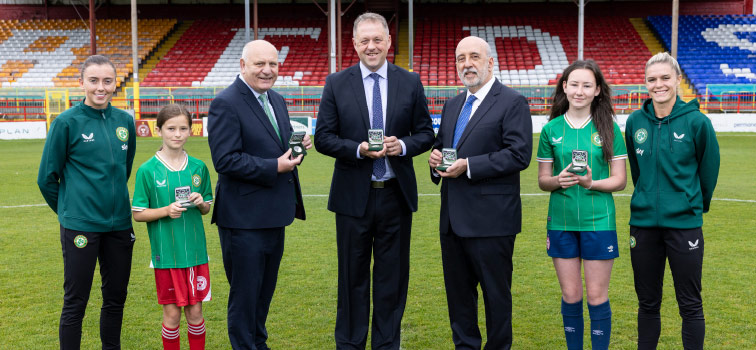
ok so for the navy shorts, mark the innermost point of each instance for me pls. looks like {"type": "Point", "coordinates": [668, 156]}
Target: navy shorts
{"type": "Point", "coordinates": [588, 245]}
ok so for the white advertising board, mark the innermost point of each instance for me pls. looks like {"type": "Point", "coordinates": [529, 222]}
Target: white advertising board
{"type": "Point", "coordinates": [23, 130]}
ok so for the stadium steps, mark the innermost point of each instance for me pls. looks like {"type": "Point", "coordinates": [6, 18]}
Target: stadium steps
{"type": "Point", "coordinates": [655, 46]}
{"type": "Point", "coordinates": [163, 48]}
{"type": "Point", "coordinates": [401, 58]}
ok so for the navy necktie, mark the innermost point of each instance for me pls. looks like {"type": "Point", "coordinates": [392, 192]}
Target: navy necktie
{"type": "Point", "coordinates": [464, 117]}
{"type": "Point", "coordinates": [379, 165]}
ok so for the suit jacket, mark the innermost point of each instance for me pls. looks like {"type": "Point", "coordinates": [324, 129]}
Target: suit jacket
{"type": "Point", "coordinates": [250, 193]}
{"type": "Point", "coordinates": [497, 142]}
{"type": "Point", "coordinates": [343, 123]}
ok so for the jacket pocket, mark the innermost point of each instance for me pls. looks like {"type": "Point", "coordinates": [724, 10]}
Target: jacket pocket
{"type": "Point", "coordinates": [674, 205]}
{"type": "Point", "coordinates": [642, 202]}
{"type": "Point", "coordinates": [494, 188]}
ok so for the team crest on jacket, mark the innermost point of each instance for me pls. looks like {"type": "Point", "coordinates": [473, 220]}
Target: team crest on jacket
{"type": "Point", "coordinates": [122, 133]}
{"type": "Point", "coordinates": [596, 139]}
{"type": "Point", "coordinates": [196, 180]}
{"type": "Point", "coordinates": [641, 135]}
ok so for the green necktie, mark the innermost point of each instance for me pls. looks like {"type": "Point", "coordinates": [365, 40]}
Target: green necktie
{"type": "Point", "coordinates": [264, 99]}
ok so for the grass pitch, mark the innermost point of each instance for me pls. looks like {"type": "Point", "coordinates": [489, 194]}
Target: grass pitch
{"type": "Point", "coordinates": [304, 307]}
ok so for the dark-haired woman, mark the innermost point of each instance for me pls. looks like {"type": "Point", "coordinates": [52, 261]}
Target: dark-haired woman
{"type": "Point", "coordinates": [85, 165]}
{"type": "Point", "coordinates": [581, 221]}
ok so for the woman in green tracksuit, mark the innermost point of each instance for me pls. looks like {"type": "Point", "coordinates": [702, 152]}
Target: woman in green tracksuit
{"type": "Point", "coordinates": [85, 165]}
{"type": "Point", "coordinates": [674, 162]}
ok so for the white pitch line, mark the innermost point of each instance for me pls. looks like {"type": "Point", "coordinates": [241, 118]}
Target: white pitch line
{"type": "Point", "coordinates": [421, 195]}
{"type": "Point", "coordinates": [22, 206]}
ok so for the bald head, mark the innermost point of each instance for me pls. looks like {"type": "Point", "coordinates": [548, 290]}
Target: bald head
{"type": "Point", "coordinates": [476, 43]}
{"type": "Point", "coordinates": [259, 65]}
{"type": "Point", "coordinates": [474, 62]}
{"type": "Point", "coordinates": [257, 45]}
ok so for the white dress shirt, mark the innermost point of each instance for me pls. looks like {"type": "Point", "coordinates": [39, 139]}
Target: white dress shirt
{"type": "Point", "coordinates": [368, 83]}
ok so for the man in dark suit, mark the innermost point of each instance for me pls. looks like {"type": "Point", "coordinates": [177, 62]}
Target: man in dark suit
{"type": "Point", "coordinates": [490, 127]}
{"type": "Point", "coordinates": [258, 190]}
{"type": "Point", "coordinates": [373, 193]}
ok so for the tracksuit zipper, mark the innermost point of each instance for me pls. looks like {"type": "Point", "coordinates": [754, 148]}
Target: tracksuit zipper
{"type": "Point", "coordinates": [657, 140]}
{"type": "Point", "coordinates": [112, 165]}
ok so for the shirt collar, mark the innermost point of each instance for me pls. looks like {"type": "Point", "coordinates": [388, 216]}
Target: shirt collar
{"type": "Point", "coordinates": [483, 91]}
{"type": "Point", "coordinates": [257, 94]}
{"type": "Point", "coordinates": [383, 71]}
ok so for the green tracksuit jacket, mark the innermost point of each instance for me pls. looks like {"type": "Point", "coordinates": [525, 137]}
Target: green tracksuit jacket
{"type": "Point", "coordinates": [674, 162]}
{"type": "Point", "coordinates": [85, 166]}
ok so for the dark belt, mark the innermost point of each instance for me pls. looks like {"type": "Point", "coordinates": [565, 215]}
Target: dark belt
{"type": "Point", "coordinates": [384, 184]}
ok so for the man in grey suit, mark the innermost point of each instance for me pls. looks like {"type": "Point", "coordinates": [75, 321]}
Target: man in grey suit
{"type": "Point", "coordinates": [490, 127]}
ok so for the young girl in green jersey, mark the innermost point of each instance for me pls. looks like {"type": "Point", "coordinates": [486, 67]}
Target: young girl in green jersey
{"type": "Point", "coordinates": [580, 224]}
{"type": "Point", "coordinates": [171, 194]}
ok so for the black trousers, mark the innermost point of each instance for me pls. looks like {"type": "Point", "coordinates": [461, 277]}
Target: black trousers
{"type": "Point", "coordinates": [384, 234]}
{"type": "Point", "coordinates": [685, 251]}
{"type": "Point", "coordinates": [251, 259]}
{"type": "Point", "coordinates": [468, 262]}
{"type": "Point", "coordinates": [81, 251]}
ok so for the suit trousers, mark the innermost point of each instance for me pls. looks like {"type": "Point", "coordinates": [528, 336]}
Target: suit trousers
{"type": "Point", "coordinates": [467, 262]}
{"type": "Point", "coordinates": [251, 258]}
{"type": "Point", "coordinates": [384, 231]}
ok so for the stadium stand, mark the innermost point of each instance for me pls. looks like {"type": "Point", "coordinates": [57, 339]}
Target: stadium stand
{"type": "Point", "coordinates": [47, 53]}
{"type": "Point", "coordinates": [713, 49]}
{"type": "Point", "coordinates": [531, 50]}
{"type": "Point", "coordinates": [207, 55]}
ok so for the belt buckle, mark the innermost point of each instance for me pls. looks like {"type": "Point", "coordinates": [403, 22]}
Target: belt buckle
{"type": "Point", "coordinates": [377, 184]}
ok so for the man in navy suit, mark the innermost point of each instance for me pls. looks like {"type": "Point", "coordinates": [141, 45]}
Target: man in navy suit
{"type": "Point", "coordinates": [258, 192]}
{"type": "Point", "coordinates": [373, 193]}
{"type": "Point", "coordinates": [490, 127]}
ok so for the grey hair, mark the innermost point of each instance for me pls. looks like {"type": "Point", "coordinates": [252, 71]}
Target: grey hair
{"type": "Point", "coordinates": [96, 60]}
{"type": "Point", "coordinates": [370, 17]}
{"type": "Point", "coordinates": [488, 48]}
{"type": "Point", "coordinates": [664, 57]}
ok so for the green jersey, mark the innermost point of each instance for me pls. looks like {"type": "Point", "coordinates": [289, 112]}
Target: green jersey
{"type": "Point", "coordinates": [576, 208]}
{"type": "Point", "coordinates": [176, 243]}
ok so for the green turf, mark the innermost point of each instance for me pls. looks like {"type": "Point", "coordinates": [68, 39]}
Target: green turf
{"type": "Point", "coordinates": [304, 307]}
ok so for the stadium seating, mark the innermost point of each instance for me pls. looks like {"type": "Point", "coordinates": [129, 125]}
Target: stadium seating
{"type": "Point", "coordinates": [207, 55]}
{"type": "Point", "coordinates": [48, 53]}
{"type": "Point", "coordinates": [530, 50]}
{"type": "Point", "coordinates": [713, 49]}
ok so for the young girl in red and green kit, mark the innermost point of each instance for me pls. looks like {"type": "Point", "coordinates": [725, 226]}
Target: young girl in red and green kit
{"type": "Point", "coordinates": [171, 194]}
